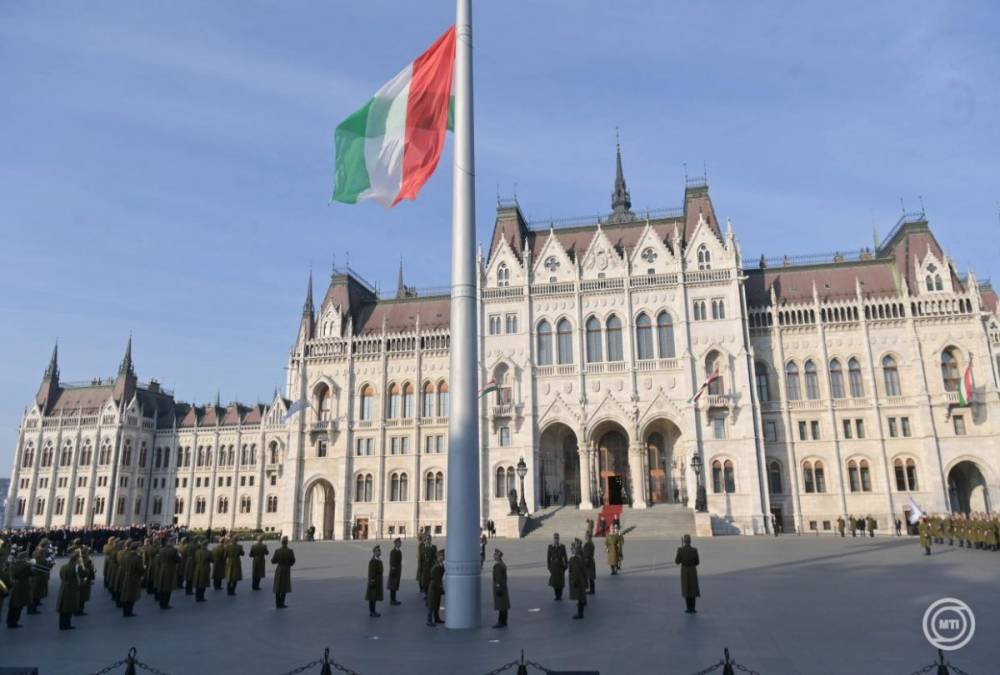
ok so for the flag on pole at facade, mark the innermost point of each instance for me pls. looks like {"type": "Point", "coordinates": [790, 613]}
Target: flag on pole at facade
{"type": "Point", "coordinates": [704, 385]}
{"type": "Point", "coordinates": [965, 388]}
{"type": "Point", "coordinates": [388, 149]}
{"type": "Point", "coordinates": [915, 513]}
{"type": "Point", "coordinates": [490, 387]}
{"type": "Point", "coordinates": [296, 407]}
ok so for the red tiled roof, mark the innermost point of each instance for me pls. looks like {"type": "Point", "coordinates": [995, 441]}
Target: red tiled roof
{"type": "Point", "coordinates": [833, 281]}
{"type": "Point", "coordinates": [401, 314]}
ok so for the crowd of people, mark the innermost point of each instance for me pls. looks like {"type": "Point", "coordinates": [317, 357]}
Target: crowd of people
{"type": "Point", "coordinates": [976, 530]}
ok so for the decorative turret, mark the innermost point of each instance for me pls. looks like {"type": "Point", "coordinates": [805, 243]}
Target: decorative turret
{"type": "Point", "coordinates": [621, 200]}
{"type": "Point", "coordinates": [307, 325]}
{"type": "Point", "coordinates": [126, 381]}
{"type": "Point", "coordinates": [49, 388]}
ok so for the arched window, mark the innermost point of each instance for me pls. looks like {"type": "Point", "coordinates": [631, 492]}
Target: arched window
{"type": "Point", "coordinates": [594, 348]}
{"type": "Point", "coordinates": [717, 485]}
{"type": "Point", "coordinates": [223, 505]}
{"type": "Point", "coordinates": [273, 452]}
{"type": "Point", "coordinates": [906, 474]}
{"type": "Point", "coordinates": [47, 455]}
{"type": "Point", "coordinates": [157, 458]}
{"type": "Point", "coordinates": [66, 456]}
{"type": "Point", "coordinates": [28, 456]}
{"type": "Point", "coordinates": [729, 475]}
{"type": "Point", "coordinates": [859, 475]}
{"type": "Point", "coordinates": [434, 486]}
{"type": "Point", "coordinates": [427, 403]}
{"type": "Point", "coordinates": [404, 487]}
{"type": "Point", "coordinates": [564, 342]}
{"type": "Point", "coordinates": [714, 364]}
{"type": "Point", "coordinates": [812, 381]}
{"type": "Point", "coordinates": [272, 504]}
{"type": "Point", "coordinates": [500, 487]}
{"type": "Point", "coordinates": [938, 286]}
{"type": "Point", "coordinates": [774, 478]}
{"type": "Point", "coordinates": [644, 337]}
{"type": "Point", "coordinates": [704, 258]}
{"type": "Point", "coordinates": [929, 282]}
{"type": "Point", "coordinates": [394, 488]}
{"type": "Point", "coordinates": [503, 275]}
{"type": "Point", "coordinates": [323, 401]}
{"type": "Point", "coordinates": [511, 480]}
{"type": "Point", "coordinates": [665, 335]}
{"type": "Point", "coordinates": [949, 369]}
{"type": "Point", "coordinates": [394, 400]}
{"type": "Point", "coordinates": [763, 385]}
{"type": "Point", "coordinates": [503, 381]}
{"type": "Point", "coordinates": [836, 379]}
{"type": "Point", "coordinates": [854, 378]}
{"type": "Point", "coordinates": [87, 454]}
{"type": "Point", "coordinates": [792, 381]}
{"type": "Point", "coordinates": [363, 488]}
{"type": "Point", "coordinates": [443, 399]}
{"type": "Point", "coordinates": [544, 338]}
{"type": "Point", "coordinates": [614, 330]}
{"type": "Point", "coordinates": [890, 376]}
{"type": "Point", "coordinates": [407, 401]}
{"type": "Point", "coordinates": [179, 506]}
{"type": "Point", "coordinates": [127, 454]}
{"type": "Point", "coordinates": [245, 504]}
{"type": "Point", "coordinates": [812, 477]}
{"type": "Point", "coordinates": [365, 411]}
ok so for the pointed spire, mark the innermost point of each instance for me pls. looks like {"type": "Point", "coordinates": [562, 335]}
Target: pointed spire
{"type": "Point", "coordinates": [218, 399]}
{"type": "Point", "coordinates": [400, 286]}
{"type": "Point", "coordinates": [126, 365]}
{"type": "Point", "coordinates": [621, 200]}
{"type": "Point", "coordinates": [307, 307]}
{"type": "Point", "coordinates": [52, 372]}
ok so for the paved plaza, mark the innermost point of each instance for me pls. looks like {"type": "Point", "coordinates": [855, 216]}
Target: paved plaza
{"type": "Point", "coordinates": [811, 605]}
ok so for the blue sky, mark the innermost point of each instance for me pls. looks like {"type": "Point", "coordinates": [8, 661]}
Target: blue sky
{"type": "Point", "coordinates": [165, 168]}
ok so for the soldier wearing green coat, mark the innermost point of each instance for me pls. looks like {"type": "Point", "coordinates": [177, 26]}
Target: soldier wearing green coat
{"type": "Point", "coordinates": [613, 546]}
{"type": "Point", "coordinates": [501, 595]}
{"type": "Point", "coordinates": [687, 558]}
{"type": "Point", "coordinates": [258, 554]}
{"type": "Point", "coordinates": [120, 552]}
{"type": "Point", "coordinates": [40, 579]}
{"type": "Point", "coordinates": [219, 563]}
{"type": "Point", "coordinates": [395, 570]}
{"type": "Point", "coordinates": [430, 558]}
{"type": "Point", "coordinates": [189, 564]}
{"type": "Point", "coordinates": [182, 550]}
{"type": "Point", "coordinates": [556, 562]}
{"type": "Point", "coordinates": [283, 559]}
{"type": "Point", "coordinates": [20, 590]}
{"type": "Point", "coordinates": [924, 530]}
{"type": "Point", "coordinates": [87, 575]}
{"type": "Point", "coordinates": [234, 566]}
{"type": "Point", "coordinates": [6, 582]}
{"type": "Point", "coordinates": [202, 570]}
{"type": "Point", "coordinates": [69, 591]}
{"type": "Point", "coordinates": [167, 561]}
{"type": "Point", "coordinates": [420, 563]}
{"type": "Point", "coordinates": [840, 525]}
{"type": "Point", "coordinates": [373, 591]}
{"type": "Point", "coordinates": [435, 589]}
{"type": "Point", "coordinates": [152, 553]}
{"type": "Point", "coordinates": [578, 578]}
{"type": "Point", "coordinates": [109, 546]}
{"type": "Point", "coordinates": [132, 572]}
{"type": "Point", "coordinates": [588, 558]}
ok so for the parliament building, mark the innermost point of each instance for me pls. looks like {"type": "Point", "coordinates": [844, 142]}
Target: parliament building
{"type": "Point", "coordinates": [838, 389]}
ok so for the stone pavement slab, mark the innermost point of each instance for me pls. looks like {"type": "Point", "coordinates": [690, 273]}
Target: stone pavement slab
{"type": "Point", "coordinates": [810, 605]}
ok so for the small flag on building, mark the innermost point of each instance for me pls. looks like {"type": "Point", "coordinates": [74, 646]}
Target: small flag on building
{"type": "Point", "coordinates": [704, 385]}
{"type": "Point", "coordinates": [965, 388]}
{"type": "Point", "coordinates": [490, 387]}
{"type": "Point", "coordinates": [388, 149]}
{"type": "Point", "coordinates": [296, 407]}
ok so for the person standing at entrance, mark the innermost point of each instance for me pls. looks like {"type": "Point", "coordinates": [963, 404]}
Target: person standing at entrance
{"type": "Point", "coordinates": [395, 570]}
{"type": "Point", "coordinates": [373, 593]}
{"type": "Point", "coordinates": [556, 561]}
{"type": "Point", "coordinates": [687, 558]}
{"type": "Point", "coordinates": [501, 596]}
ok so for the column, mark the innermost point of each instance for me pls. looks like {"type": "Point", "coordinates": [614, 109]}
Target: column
{"type": "Point", "coordinates": [638, 487]}
{"type": "Point", "coordinates": [586, 500]}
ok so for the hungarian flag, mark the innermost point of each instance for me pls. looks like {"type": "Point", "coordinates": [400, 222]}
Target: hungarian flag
{"type": "Point", "coordinates": [965, 388]}
{"type": "Point", "coordinates": [490, 387]}
{"type": "Point", "coordinates": [388, 149]}
{"type": "Point", "coordinates": [704, 385]}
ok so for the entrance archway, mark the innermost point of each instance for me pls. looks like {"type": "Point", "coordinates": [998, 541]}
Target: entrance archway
{"type": "Point", "coordinates": [967, 488]}
{"type": "Point", "coordinates": [320, 505]}
{"type": "Point", "coordinates": [560, 457]}
{"type": "Point", "coordinates": [614, 486]}
{"type": "Point", "coordinates": [665, 474]}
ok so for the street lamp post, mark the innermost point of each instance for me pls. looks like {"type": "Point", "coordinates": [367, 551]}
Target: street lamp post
{"type": "Point", "coordinates": [701, 502]}
{"type": "Point", "coordinates": [522, 471]}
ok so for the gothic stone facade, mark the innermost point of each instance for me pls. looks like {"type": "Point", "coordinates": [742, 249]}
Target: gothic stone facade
{"type": "Point", "coordinates": [837, 392]}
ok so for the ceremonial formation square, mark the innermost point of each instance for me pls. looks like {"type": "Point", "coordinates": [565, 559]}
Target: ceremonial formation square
{"type": "Point", "coordinates": [793, 604]}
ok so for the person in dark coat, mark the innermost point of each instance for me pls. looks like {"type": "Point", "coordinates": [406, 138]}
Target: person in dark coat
{"type": "Point", "coordinates": [189, 565]}
{"type": "Point", "coordinates": [219, 563]}
{"type": "Point", "coordinates": [202, 570]}
{"type": "Point", "coordinates": [39, 578]}
{"type": "Point", "coordinates": [556, 562]}
{"type": "Point", "coordinates": [258, 554]}
{"type": "Point", "coordinates": [435, 589]}
{"type": "Point", "coordinates": [87, 575]}
{"type": "Point", "coordinates": [133, 571]}
{"type": "Point", "coordinates": [588, 558]}
{"type": "Point", "coordinates": [283, 559]}
{"type": "Point", "coordinates": [20, 590]}
{"type": "Point", "coordinates": [234, 566]}
{"type": "Point", "coordinates": [395, 570]}
{"type": "Point", "coordinates": [687, 558]}
{"type": "Point", "coordinates": [168, 560]}
{"type": "Point", "coordinates": [69, 591]}
{"type": "Point", "coordinates": [373, 591]}
{"type": "Point", "coordinates": [430, 558]}
{"type": "Point", "coordinates": [420, 563]}
{"type": "Point", "coordinates": [501, 595]}
{"type": "Point", "coordinates": [578, 578]}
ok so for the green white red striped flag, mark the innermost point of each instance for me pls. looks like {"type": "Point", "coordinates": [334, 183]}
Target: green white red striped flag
{"type": "Point", "coordinates": [388, 149]}
{"type": "Point", "coordinates": [490, 387]}
{"type": "Point", "coordinates": [965, 388]}
{"type": "Point", "coordinates": [704, 385]}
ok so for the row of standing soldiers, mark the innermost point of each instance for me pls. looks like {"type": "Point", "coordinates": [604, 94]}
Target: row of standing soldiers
{"type": "Point", "coordinates": [24, 580]}
{"type": "Point", "coordinates": [863, 523]}
{"type": "Point", "coordinates": [975, 530]}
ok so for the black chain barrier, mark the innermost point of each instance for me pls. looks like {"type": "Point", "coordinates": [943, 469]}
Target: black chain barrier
{"type": "Point", "coordinates": [729, 667]}
{"type": "Point", "coordinates": [940, 667]}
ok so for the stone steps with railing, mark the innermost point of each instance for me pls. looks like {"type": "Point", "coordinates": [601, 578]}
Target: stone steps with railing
{"type": "Point", "coordinates": [662, 521]}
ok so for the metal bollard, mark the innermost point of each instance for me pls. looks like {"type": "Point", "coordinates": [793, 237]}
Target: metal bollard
{"type": "Point", "coordinates": [327, 669]}
{"type": "Point", "coordinates": [727, 667]}
{"type": "Point", "coordinates": [522, 668]}
{"type": "Point", "coordinates": [130, 662]}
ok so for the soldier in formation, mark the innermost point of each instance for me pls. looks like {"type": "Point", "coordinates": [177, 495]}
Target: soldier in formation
{"type": "Point", "coordinates": [258, 554]}
{"type": "Point", "coordinates": [132, 573]}
{"type": "Point", "coordinates": [435, 589]}
{"type": "Point", "coordinates": [202, 570]}
{"type": "Point", "coordinates": [219, 563]}
{"type": "Point", "coordinates": [976, 530]}
{"type": "Point", "coordinates": [840, 525]}
{"type": "Point", "coordinates": [588, 558]}
{"type": "Point", "coordinates": [614, 544]}
{"type": "Point", "coordinates": [501, 595]}
{"type": "Point", "coordinates": [395, 570]}
{"type": "Point", "coordinates": [578, 578]}
{"type": "Point", "coordinates": [924, 530]}
{"type": "Point", "coordinates": [373, 591]}
{"type": "Point", "coordinates": [556, 563]}
{"type": "Point", "coordinates": [687, 558]}
{"type": "Point", "coordinates": [167, 561]}
{"type": "Point", "coordinates": [234, 566]}
{"type": "Point", "coordinates": [68, 602]}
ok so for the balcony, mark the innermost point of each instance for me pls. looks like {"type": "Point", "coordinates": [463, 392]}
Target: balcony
{"type": "Point", "coordinates": [324, 426]}
{"type": "Point", "coordinates": [718, 401]}
{"type": "Point", "coordinates": [657, 364]}
{"type": "Point", "coordinates": [503, 410]}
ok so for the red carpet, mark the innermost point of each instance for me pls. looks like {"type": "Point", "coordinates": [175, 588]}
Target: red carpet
{"type": "Point", "coordinates": [608, 513]}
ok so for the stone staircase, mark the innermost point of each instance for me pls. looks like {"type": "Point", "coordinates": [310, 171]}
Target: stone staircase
{"type": "Point", "coordinates": [663, 521]}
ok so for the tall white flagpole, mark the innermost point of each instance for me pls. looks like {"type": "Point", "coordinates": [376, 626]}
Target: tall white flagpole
{"type": "Point", "coordinates": [462, 561]}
